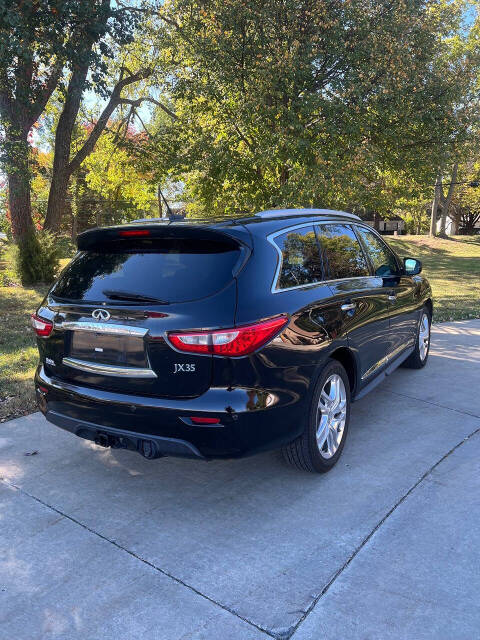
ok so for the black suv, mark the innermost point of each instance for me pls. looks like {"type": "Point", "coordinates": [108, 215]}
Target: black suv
{"type": "Point", "coordinates": [219, 339]}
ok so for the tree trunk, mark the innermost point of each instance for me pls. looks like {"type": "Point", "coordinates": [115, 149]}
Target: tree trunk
{"type": "Point", "coordinates": [447, 202]}
{"type": "Point", "coordinates": [57, 199]}
{"type": "Point", "coordinates": [63, 139]}
{"type": "Point", "coordinates": [18, 174]}
{"type": "Point", "coordinates": [435, 203]}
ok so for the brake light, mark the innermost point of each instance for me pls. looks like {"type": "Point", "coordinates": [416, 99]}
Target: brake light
{"type": "Point", "coordinates": [132, 233]}
{"type": "Point", "coordinates": [236, 342]}
{"type": "Point", "coordinates": [203, 420]}
{"type": "Point", "coordinates": [42, 328]}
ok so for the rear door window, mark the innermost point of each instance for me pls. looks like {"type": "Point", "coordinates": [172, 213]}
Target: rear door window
{"type": "Point", "coordinates": [383, 261]}
{"type": "Point", "coordinates": [171, 270]}
{"type": "Point", "coordinates": [342, 254]}
{"type": "Point", "coordinates": [300, 261]}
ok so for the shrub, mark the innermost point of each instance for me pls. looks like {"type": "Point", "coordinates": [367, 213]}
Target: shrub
{"type": "Point", "coordinates": [37, 258]}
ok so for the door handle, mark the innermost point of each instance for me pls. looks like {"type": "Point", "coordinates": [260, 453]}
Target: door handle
{"type": "Point", "coordinates": [349, 306]}
{"type": "Point", "coordinates": [392, 298]}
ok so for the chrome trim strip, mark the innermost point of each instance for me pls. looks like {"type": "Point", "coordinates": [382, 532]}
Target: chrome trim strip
{"type": "Point", "coordinates": [271, 238]}
{"type": "Point", "coordinates": [393, 354]}
{"type": "Point", "coordinates": [353, 224]}
{"type": "Point", "coordinates": [102, 327]}
{"type": "Point", "coordinates": [388, 358]}
{"type": "Point", "coordinates": [376, 366]}
{"type": "Point", "coordinates": [108, 369]}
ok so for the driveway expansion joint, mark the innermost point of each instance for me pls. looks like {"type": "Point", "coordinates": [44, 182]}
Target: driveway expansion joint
{"type": "Point", "coordinates": [370, 535]}
{"type": "Point", "coordinates": [143, 560]}
{"type": "Point", "coordinates": [435, 404]}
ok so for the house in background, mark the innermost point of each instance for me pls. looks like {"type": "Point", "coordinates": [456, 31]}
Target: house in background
{"type": "Point", "coordinates": [451, 229]}
{"type": "Point", "coordinates": [387, 226]}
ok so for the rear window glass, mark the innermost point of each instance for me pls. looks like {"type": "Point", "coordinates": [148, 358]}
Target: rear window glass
{"type": "Point", "coordinates": [171, 271]}
{"type": "Point", "coordinates": [301, 263]}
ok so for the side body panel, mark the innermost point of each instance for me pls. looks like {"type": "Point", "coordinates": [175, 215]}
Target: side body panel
{"type": "Point", "coordinates": [367, 326]}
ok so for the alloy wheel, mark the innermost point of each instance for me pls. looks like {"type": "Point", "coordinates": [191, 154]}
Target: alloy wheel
{"type": "Point", "coordinates": [331, 416]}
{"type": "Point", "coordinates": [424, 337]}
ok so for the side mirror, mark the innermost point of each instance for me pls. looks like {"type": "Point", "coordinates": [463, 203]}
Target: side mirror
{"type": "Point", "coordinates": [412, 266]}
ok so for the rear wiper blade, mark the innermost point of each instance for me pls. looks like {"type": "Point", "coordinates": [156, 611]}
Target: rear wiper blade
{"type": "Point", "coordinates": [128, 295]}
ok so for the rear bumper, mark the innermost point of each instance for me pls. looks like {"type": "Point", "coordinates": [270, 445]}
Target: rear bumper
{"type": "Point", "coordinates": [251, 420]}
{"type": "Point", "coordinates": [148, 445]}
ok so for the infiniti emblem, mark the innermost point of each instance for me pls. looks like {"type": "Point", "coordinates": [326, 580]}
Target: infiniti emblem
{"type": "Point", "coordinates": [101, 314]}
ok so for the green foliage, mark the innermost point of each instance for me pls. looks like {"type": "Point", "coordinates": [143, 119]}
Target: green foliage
{"type": "Point", "coordinates": [66, 248]}
{"type": "Point", "coordinates": [113, 174]}
{"type": "Point", "coordinates": [42, 33]}
{"type": "Point", "coordinates": [417, 221]}
{"type": "Point", "coordinates": [312, 103]}
{"type": "Point", "coordinates": [37, 258]}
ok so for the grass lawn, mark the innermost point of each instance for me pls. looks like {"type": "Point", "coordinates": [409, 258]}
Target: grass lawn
{"type": "Point", "coordinates": [452, 266]}
{"type": "Point", "coordinates": [18, 350]}
{"type": "Point", "coordinates": [453, 269]}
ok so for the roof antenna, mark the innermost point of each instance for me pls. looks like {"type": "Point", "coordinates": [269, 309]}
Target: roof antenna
{"type": "Point", "coordinates": [171, 215]}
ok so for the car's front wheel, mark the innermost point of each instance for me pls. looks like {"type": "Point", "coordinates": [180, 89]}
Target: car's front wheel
{"type": "Point", "coordinates": [322, 442]}
{"type": "Point", "coordinates": [418, 358]}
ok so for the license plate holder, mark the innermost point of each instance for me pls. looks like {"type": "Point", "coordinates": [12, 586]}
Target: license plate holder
{"type": "Point", "coordinates": [108, 349]}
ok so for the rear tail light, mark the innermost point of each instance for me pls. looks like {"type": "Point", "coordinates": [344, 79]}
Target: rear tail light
{"type": "Point", "coordinates": [236, 342]}
{"type": "Point", "coordinates": [42, 328]}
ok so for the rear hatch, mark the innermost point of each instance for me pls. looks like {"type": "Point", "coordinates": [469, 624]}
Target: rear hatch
{"type": "Point", "coordinates": [126, 288]}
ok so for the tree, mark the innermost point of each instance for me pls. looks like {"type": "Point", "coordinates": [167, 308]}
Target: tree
{"type": "Point", "coordinates": [288, 103]}
{"type": "Point", "coordinates": [465, 208]}
{"type": "Point", "coordinates": [39, 41]}
{"type": "Point", "coordinates": [129, 66]}
{"type": "Point", "coordinates": [459, 63]}
{"type": "Point", "coordinates": [64, 165]}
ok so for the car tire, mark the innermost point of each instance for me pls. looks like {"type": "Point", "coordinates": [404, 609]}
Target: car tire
{"type": "Point", "coordinates": [419, 357]}
{"type": "Point", "coordinates": [320, 446]}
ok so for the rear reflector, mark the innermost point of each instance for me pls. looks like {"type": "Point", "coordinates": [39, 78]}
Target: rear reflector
{"type": "Point", "coordinates": [234, 343]}
{"type": "Point", "coordinates": [134, 233]}
{"type": "Point", "coordinates": [202, 420]}
{"type": "Point", "coordinates": [42, 328]}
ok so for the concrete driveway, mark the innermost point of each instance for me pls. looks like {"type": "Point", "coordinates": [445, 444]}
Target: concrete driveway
{"type": "Point", "coordinates": [98, 544]}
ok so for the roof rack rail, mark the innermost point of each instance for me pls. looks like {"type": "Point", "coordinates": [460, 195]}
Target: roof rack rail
{"type": "Point", "coordinates": [170, 218]}
{"type": "Point", "coordinates": [148, 220]}
{"type": "Point", "coordinates": [278, 213]}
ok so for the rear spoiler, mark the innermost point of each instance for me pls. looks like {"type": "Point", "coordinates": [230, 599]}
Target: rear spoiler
{"type": "Point", "coordinates": [101, 236]}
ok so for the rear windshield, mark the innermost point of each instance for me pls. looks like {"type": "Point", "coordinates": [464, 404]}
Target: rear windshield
{"type": "Point", "coordinates": [170, 270]}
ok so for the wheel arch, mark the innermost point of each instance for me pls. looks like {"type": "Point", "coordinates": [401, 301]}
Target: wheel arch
{"type": "Point", "coordinates": [346, 358]}
{"type": "Point", "coordinates": [429, 305]}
